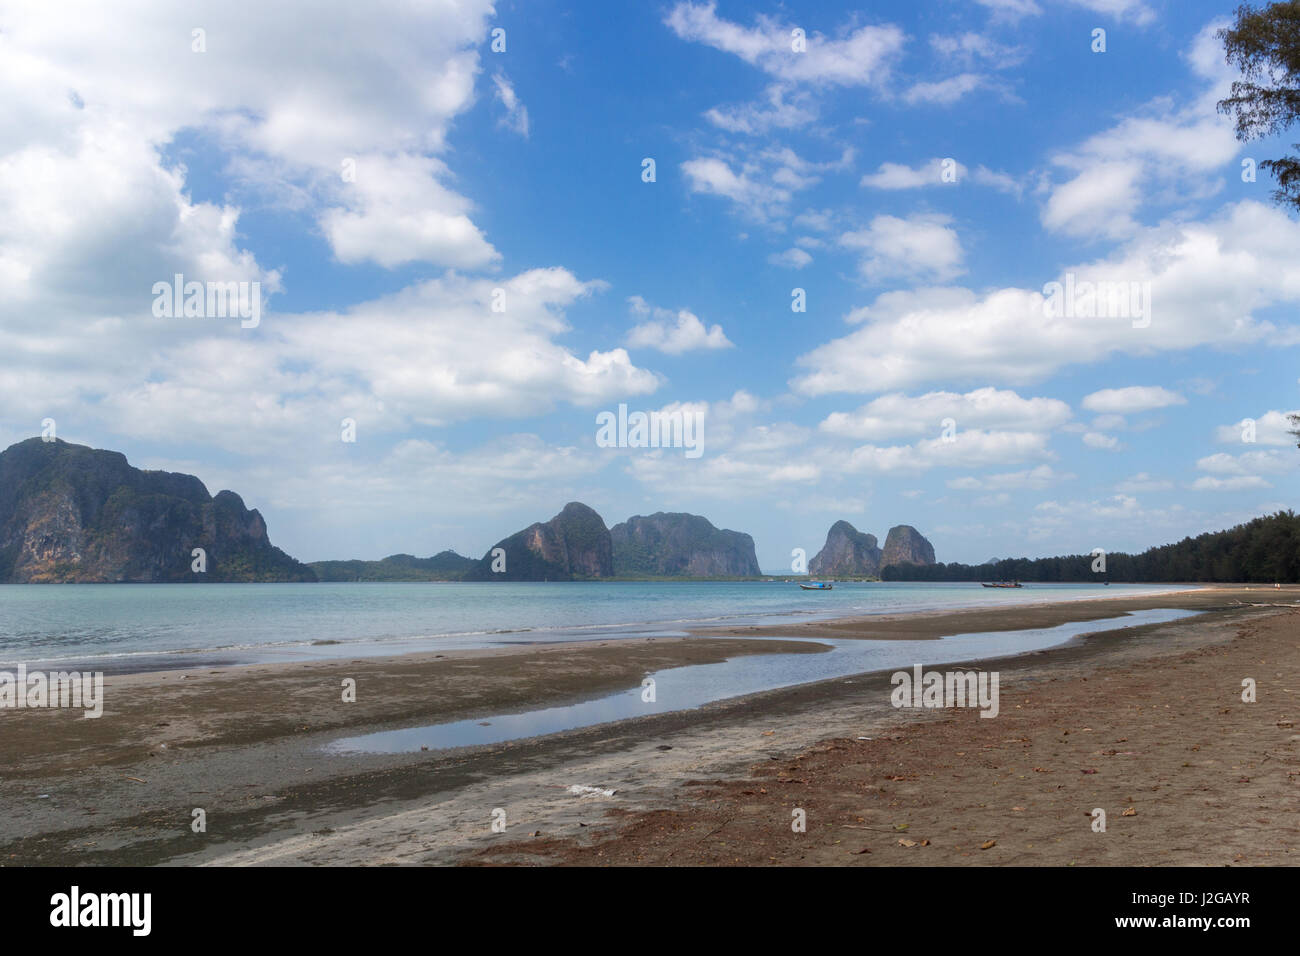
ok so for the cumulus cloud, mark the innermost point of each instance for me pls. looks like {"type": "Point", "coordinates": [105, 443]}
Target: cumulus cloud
{"type": "Point", "coordinates": [1239, 483]}
{"type": "Point", "coordinates": [1252, 462]}
{"type": "Point", "coordinates": [973, 448]}
{"type": "Point", "coordinates": [673, 332]}
{"type": "Point", "coordinates": [761, 184]}
{"type": "Point", "coordinates": [290, 107]}
{"type": "Point", "coordinates": [1240, 472]}
{"type": "Point", "coordinates": [397, 212]}
{"type": "Point", "coordinates": [1130, 400]}
{"type": "Point", "coordinates": [1101, 441]}
{"type": "Point", "coordinates": [858, 57]}
{"type": "Point", "coordinates": [1165, 155]}
{"type": "Point", "coordinates": [923, 246]}
{"type": "Point", "coordinates": [899, 415]}
{"type": "Point", "coordinates": [433, 353]}
{"type": "Point", "coordinates": [1207, 278]}
{"type": "Point", "coordinates": [1271, 428]}
{"type": "Point", "coordinates": [938, 172]}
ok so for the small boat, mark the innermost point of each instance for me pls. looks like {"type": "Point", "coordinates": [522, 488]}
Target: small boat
{"type": "Point", "coordinates": [815, 586]}
{"type": "Point", "coordinates": [1004, 584]}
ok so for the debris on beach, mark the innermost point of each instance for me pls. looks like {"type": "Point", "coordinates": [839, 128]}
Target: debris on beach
{"type": "Point", "coordinates": [579, 790]}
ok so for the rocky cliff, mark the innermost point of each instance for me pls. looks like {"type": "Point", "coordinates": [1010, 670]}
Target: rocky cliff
{"type": "Point", "coordinates": [575, 544]}
{"type": "Point", "coordinates": [848, 552]}
{"type": "Point", "coordinates": [69, 513]}
{"type": "Point", "coordinates": [905, 545]}
{"type": "Point", "coordinates": [680, 545]}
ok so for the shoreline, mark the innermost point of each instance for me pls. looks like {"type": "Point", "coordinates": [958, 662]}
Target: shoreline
{"type": "Point", "coordinates": [291, 653]}
{"type": "Point", "coordinates": [246, 742]}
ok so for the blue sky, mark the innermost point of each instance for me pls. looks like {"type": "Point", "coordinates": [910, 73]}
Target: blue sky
{"type": "Point", "coordinates": [133, 155]}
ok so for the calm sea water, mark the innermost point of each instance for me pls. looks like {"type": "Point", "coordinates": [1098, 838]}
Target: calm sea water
{"type": "Point", "coordinates": [129, 627]}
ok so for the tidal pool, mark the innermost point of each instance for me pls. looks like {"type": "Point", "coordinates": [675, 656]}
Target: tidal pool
{"type": "Point", "coordinates": [686, 688]}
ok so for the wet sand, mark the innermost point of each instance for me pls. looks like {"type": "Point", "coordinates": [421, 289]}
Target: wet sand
{"type": "Point", "coordinates": [244, 744]}
{"type": "Point", "coordinates": [929, 625]}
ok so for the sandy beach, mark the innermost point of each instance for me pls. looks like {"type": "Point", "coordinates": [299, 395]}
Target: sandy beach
{"type": "Point", "coordinates": [1148, 719]}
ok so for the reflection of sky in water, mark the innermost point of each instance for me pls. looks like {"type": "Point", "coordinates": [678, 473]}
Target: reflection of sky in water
{"type": "Point", "coordinates": [682, 688]}
{"type": "Point", "coordinates": [138, 627]}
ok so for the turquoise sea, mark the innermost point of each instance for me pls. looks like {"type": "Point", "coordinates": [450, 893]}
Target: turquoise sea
{"type": "Point", "coordinates": [132, 627]}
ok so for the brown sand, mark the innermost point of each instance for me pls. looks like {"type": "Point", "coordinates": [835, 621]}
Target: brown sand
{"type": "Point", "coordinates": [928, 625]}
{"type": "Point", "coordinates": [244, 744]}
{"type": "Point", "coordinates": [1186, 772]}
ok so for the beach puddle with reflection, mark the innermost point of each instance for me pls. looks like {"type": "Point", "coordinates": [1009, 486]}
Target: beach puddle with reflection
{"type": "Point", "coordinates": [686, 688]}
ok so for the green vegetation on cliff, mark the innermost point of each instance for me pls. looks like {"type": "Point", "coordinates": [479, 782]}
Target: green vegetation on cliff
{"type": "Point", "coordinates": [444, 566]}
{"type": "Point", "coordinates": [69, 513]}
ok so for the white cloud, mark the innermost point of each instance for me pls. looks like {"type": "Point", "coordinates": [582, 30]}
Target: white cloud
{"type": "Point", "coordinates": [817, 220]}
{"type": "Point", "coordinates": [783, 109]}
{"type": "Point", "coordinates": [1012, 9]}
{"type": "Point", "coordinates": [899, 415]}
{"type": "Point", "coordinates": [1164, 155]}
{"type": "Point", "coordinates": [1036, 479]}
{"type": "Point", "coordinates": [673, 332]}
{"type": "Point", "coordinates": [763, 183]}
{"type": "Point", "coordinates": [793, 258]}
{"type": "Point", "coordinates": [1100, 441]}
{"type": "Point", "coordinates": [943, 92]}
{"type": "Point", "coordinates": [1142, 482]}
{"type": "Point", "coordinates": [896, 176]}
{"type": "Point", "coordinates": [1248, 463]}
{"type": "Point", "coordinates": [1002, 182]}
{"type": "Point", "coordinates": [1271, 428]}
{"type": "Point", "coordinates": [972, 449]}
{"type": "Point", "coordinates": [1133, 11]}
{"type": "Point", "coordinates": [283, 104]}
{"type": "Point", "coordinates": [1130, 400]}
{"type": "Point", "coordinates": [431, 354]}
{"type": "Point", "coordinates": [1206, 280]}
{"type": "Point", "coordinates": [715, 177]}
{"type": "Point", "coordinates": [860, 57]}
{"type": "Point", "coordinates": [1241, 483]}
{"type": "Point", "coordinates": [923, 246]}
{"type": "Point", "coordinates": [970, 47]}
{"type": "Point", "coordinates": [397, 212]}
{"type": "Point", "coordinates": [516, 114]}
{"type": "Point", "coordinates": [900, 176]}
{"type": "Point", "coordinates": [1099, 200]}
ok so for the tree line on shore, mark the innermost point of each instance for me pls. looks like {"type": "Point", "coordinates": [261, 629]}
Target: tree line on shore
{"type": "Point", "coordinates": [1262, 551]}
